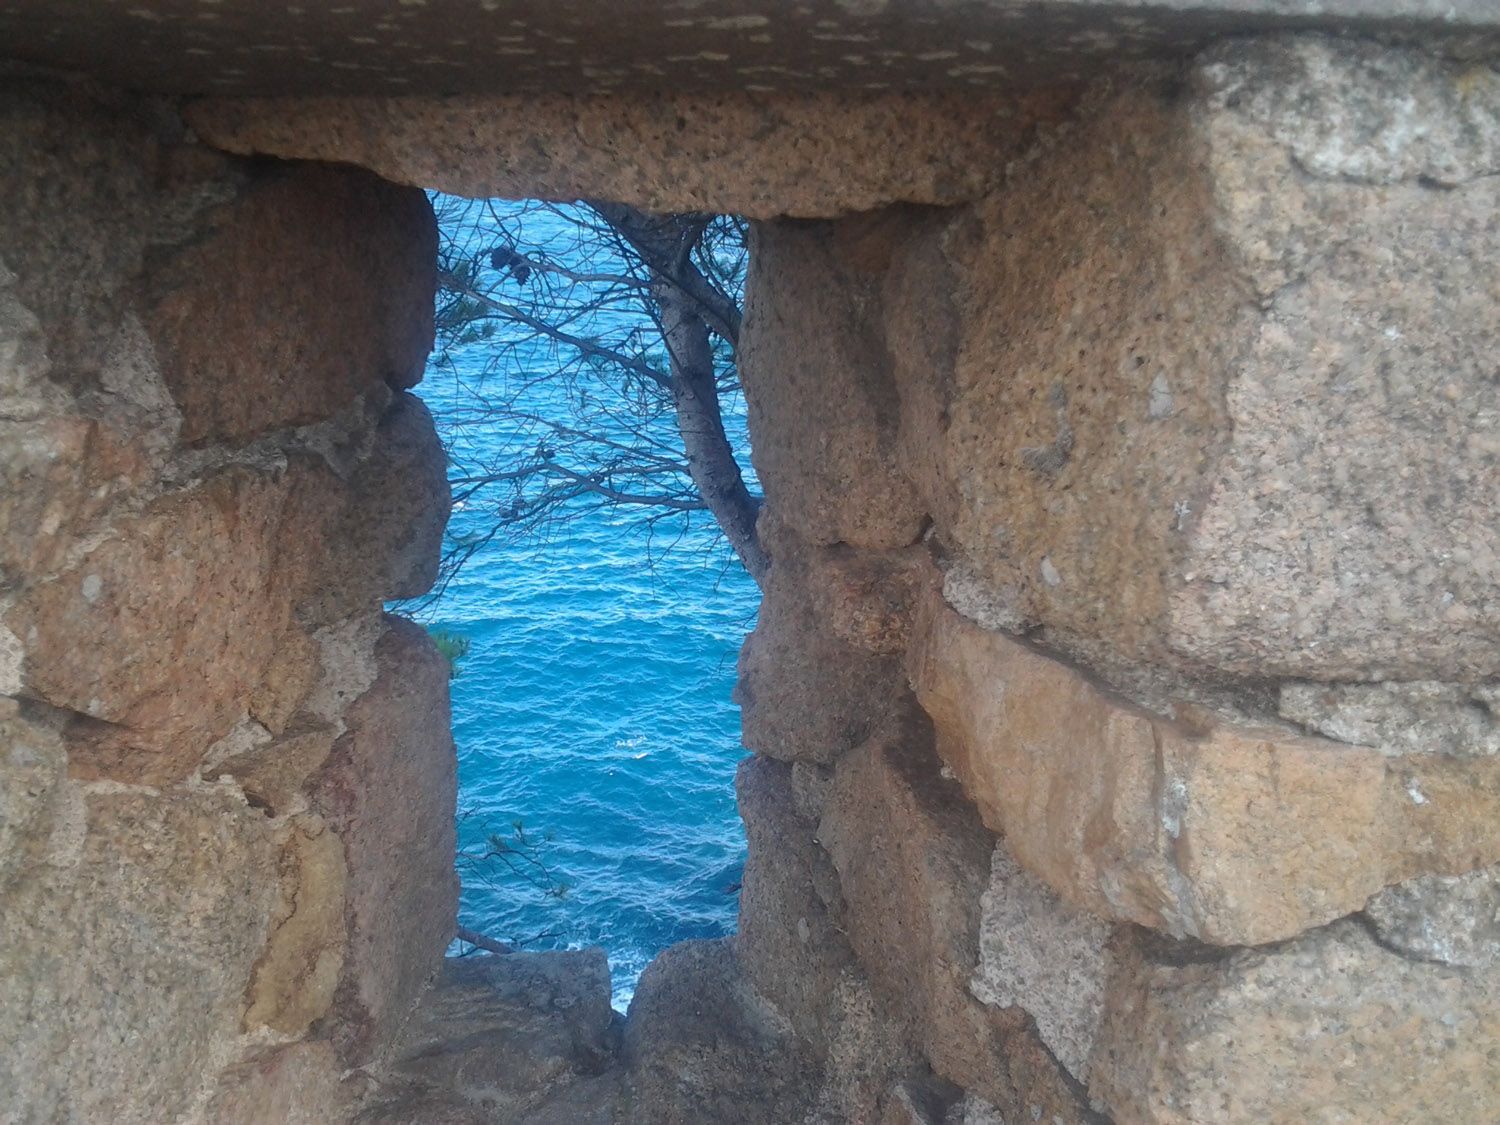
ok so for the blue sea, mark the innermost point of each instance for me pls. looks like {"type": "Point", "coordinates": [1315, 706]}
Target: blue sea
{"type": "Point", "coordinates": [593, 706]}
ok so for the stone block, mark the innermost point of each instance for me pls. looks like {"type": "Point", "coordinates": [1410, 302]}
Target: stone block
{"type": "Point", "coordinates": [1328, 1027]}
{"type": "Point", "coordinates": [805, 692]}
{"type": "Point", "coordinates": [1038, 953]}
{"type": "Point", "coordinates": [1222, 395]}
{"type": "Point", "coordinates": [372, 530]}
{"type": "Point", "coordinates": [758, 157]}
{"type": "Point", "coordinates": [499, 1035]}
{"type": "Point", "coordinates": [403, 502]}
{"type": "Point", "coordinates": [126, 949]}
{"type": "Point", "coordinates": [703, 1048]}
{"type": "Point", "coordinates": [1233, 834]}
{"type": "Point", "coordinates": [788, 943]}
{"type": "Point", "coordinates": [822, 403]}
{"type": "Point", "coordinates": [388, 790]}
{"type": "Point", "coordinates": [157, 635]}
{"type": "Point", "coordinates": [315, 284]}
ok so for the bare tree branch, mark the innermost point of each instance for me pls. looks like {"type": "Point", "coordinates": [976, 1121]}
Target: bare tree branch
{"type": "Point", "coordinates": [639, 314]}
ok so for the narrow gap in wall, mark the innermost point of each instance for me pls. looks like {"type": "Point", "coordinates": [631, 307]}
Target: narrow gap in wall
{"type": "Point", "coordinates": [591, 605]}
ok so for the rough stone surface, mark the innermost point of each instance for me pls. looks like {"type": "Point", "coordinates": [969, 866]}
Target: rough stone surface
{"type": "Point", "coordinates": [442, 46]}
{"type": "Point", "coordinates": [401, 504]}
{"type": "Point", "coordinates": [704, 1049]}
{"type": "Point", "coordinates": [807, 693]}
{"type": "Point", "coordinates": [274, 773]}
{"type": "Point", "coordinates": [1093, 274]}
{"type": "Point", "coordinates": [298, 1084]}
{"type": "Point", "coordinates": [869, 598]}
{"type": "Point", "coordinates": [1329, 1027]}
{"type": "Point", "coordinates": [388, 791]}
{"type": "Point", "coordinates": [125, 954]}
{"type": "Point", "coordinates": [498, 1035]}
{"type": "Point", "coordinates": [788, 943]}
{"type": "Point", "coordinates": [1189, 376]}
{"type": "Point", "coordinates": [338, 267]}
{"type": "Point", "coordinates": [755, 155]}
{"type": "Point", "coordinates": [296, 975]}
{"type": "Point", "coordinates": [289, 680]}
{"type": "Point", "coordinates": [1348, 532]}
{"type": "Point", "coordinates": [870, 1057]}
{"type": "Point", "coordinates": [1037, 952]}
{"type": "Point", "coordinates": [820, 395]}
{"type": "Point", "coordinates": [158, 634]}
{"type": "Point", "coordinates": [1221, 395]}
{"type": "Point", "coordinates": [913, 862]}
{"type": "Point", "coordinates": [1235, 835]}
{"type": "Point", "coordinates": [33, 768]}
{"type": "Point", "coordinates": [1399, 718]}
{"type": "Point", "coordinates": [1454, 919]}
{"type": "Point", "coordinates": [174, 915]}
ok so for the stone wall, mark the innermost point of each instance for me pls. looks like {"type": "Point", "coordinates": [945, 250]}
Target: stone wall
{"type": "Point", "coordinates": [226, 778]}
{"type": "Point", "coordinates": [1124, 694]}
{"type": "Point", "coordinates": [1124, 707]}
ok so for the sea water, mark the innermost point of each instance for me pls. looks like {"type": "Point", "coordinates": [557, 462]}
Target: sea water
{"type": "Point", "coordinates": [593, 706]}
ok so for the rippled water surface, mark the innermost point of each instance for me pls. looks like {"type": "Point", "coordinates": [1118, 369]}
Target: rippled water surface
{"type": "Point", "coordinates": [593, 707]}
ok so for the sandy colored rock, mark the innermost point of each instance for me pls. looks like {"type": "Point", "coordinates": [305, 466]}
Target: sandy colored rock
{"type": "Point", "coordinates": [1038, 953]}
{"type": "Point", "coordinates": [500, 1035]}
{"type": "Point", "coordinates": [805, 692]}
{"type": "Point", "coordinates": [1235, 835]}
{"type": "Point", "coordinates": [295, 977]}
{"type": "Point", "coordinates": [125, 953]}
{"type": "Point", "coordinates": [388, 791]}
{"type": "Point", "coordinates": [299, 1084]}
{"type": "Point", "coordinates": [316, 283]}
{"type": "Point", "coordinates": [822, 403]}
{"type": "Point", "coordinates": [1220, 395]}
{"type": "Point", "coordinates": [913, 861]}
{"type": "Point", "coordinates": [1348, 531]}
{"type": "Point", "coordinates": [1092, 275]}
{"type": "Point", "coordinates": [753, 154]}
{"type": "Point", "coordinates": [1327, 1027]}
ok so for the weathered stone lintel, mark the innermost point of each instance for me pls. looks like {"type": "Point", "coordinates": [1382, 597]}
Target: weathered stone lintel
{"type": "Point", "coordinates": [757, 155]}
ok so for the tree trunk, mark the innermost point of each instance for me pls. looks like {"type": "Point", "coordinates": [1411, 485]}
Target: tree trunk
{"type": "Point", "coordinates": [710, 457]}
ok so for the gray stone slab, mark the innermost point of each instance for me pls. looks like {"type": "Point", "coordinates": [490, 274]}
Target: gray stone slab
{"type": "Point", "coordinates": [443, 46]}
